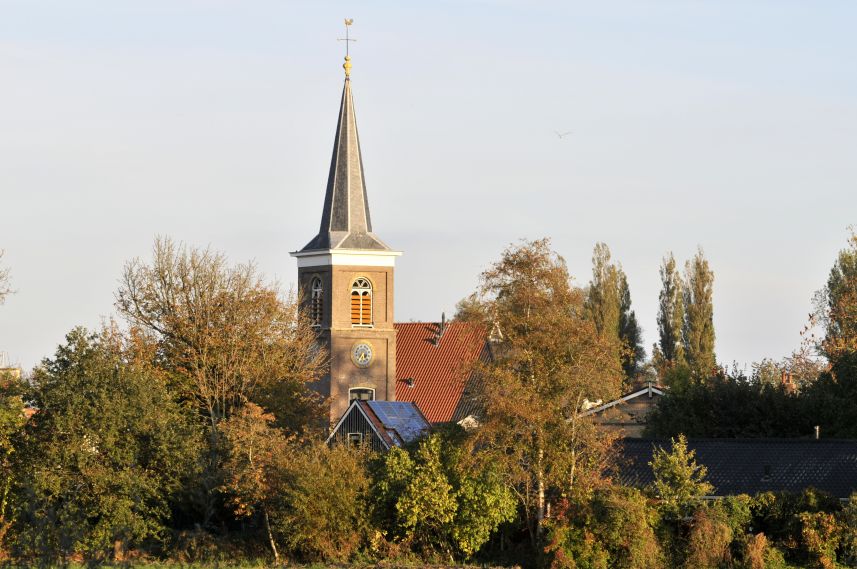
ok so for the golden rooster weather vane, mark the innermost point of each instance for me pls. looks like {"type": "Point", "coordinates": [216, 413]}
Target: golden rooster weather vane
{"type": "Point", "coordinates": [347, 65]}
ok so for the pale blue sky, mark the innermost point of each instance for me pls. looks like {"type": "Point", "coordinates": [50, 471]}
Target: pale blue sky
{"type": "Point", "coordinates": [723, 123]}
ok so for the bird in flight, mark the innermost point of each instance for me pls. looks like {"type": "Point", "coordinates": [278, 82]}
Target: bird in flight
{"type": "Point", "coordinates": [562, 134]}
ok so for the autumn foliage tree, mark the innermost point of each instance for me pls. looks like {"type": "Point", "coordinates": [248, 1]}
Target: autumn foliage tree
{"type": "Point", "coordinates": [837, 308]}
{"type": "Point", "coordinates": [549, 359]}
{"type": "Point", "coordinates": [227, 337]}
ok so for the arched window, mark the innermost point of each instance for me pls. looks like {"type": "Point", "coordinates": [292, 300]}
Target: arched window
{"type": "Point", "coordinates": [361, 302]}
{"type": "Point", "coordinates": [361, 394]}
{"type": "Point", "coordinates": [316, 305]}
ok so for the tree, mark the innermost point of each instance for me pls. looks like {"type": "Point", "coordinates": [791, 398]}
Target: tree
{"type": "Point", "coordinates": [470, 309]}
{"type": "Point", "coordinates": [250, 468]}
{"type": "Point", "coordinates": [602, 300]}
{"type": "Point", "coordinates": [615, 529]}
{"type": "Point", "coordinates": [837, 308]}
{"type": "Point", "coordinates": [629, 331]}
{"type": "Point", "coordinates": [107, 452]}
{"type": "Point", "coordinates": [320, 504]}
{"type": "Point", "coordinates": [698, 332]}
{"type": "Point", "coordinates": [549, 359]}
{"type": "Point", "coordinates": [439, 496]}
{"type": "Point", "coordinates": [608, 303]}
{"type": "Point", "coordinates": [416, 492]}
{"type": "Point", "coordinates": [679, 482]}
{"type": "Point", "coordinates": [5, 288]}
{"type": "Point", "coordinates": [227, 338]}
{"type": "Point", "coordinates": [671, 313]}
{"type": "Point", "coordinates": [12, 420]}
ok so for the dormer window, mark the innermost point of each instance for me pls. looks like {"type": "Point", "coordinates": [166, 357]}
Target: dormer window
{"type": "Point", "coordinates": [361, 303]}
{"type": "Point", "coordinates": [316, 306]}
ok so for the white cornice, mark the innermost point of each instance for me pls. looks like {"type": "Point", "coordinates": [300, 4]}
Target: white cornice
{"type": "Point", "coordinates": [356, 257]}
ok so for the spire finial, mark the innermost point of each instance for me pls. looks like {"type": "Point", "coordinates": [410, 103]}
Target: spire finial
{"type": "Point", "coordinates": [347, 65]}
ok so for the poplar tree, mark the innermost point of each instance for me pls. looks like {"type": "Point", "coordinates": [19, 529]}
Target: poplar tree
{"type": "Point", "coordinates": [602, 299]}
{"type": "Point", "coordinates": [698, 330]}
{"type": "Point", "coordinates": [671, 313]}
{"type": "Point", "coordinates": [608, 305]}
{"type": "Point", "coordinates": [629, 330]}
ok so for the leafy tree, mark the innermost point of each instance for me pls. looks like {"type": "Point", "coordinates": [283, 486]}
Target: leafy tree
{"type": "Point", "coordinates": [629, 331]}
{"type": "Point", "coordinates": [848, 523]}
{"type": "Point", "coordinates": [226, 338]}
{"type": "Point", "coordinates": [320, 508]}
{"type": "Point", "coordinates": [608, 303]}
{"type": "Point", "coordinates": [470, 309]}
{"type": "Point", "coordinates": [12, 420]}
{"type": "Point", "coordinates": [698, 332]}
{"type": "Point", "coordinates": [671, 313]}
{"type": "Point", "coordinates": [729, 406]}
{"type": "Point", "coordinates": [310, 498]}
{"type": "Point", "coordinates": [106, 453]}
{"type": "Point", "coordinates": [679, 481]}
{"type": "Point", "coordinates": [250, 468]}
{"type": "Point", "coordinates": [550, 358]}
{"type": "Point", "coordinates": [709, 540]}
{"type": "Point", "coordinates": [837, 308]}
{"type": "Point", "coordinates": [615, 529]}
{"type": "Point", "coordinates": [438, 497]}
{"type": "Point", "coordinates": [423, 499]}
{"type": "Point", "coordinates": [602, 299]}
{"type": "Point", "coordinates": [820, 533]}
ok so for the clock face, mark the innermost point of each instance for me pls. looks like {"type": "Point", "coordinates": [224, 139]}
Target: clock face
{"type": "Point", "coordinates": [361, 354]}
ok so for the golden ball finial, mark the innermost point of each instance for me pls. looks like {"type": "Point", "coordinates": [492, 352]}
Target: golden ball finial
{"type": "Point", "coordinates": [347, 66]}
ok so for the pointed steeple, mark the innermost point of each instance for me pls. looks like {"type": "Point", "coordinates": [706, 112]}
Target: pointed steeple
{"type": "Point", "coordinates": [345, 222]}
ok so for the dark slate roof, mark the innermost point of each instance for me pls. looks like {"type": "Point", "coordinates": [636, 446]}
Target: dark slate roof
{"type": "Point", "coordinates": [397, 422]}
{"type": "Point", "coordinates": [750, 466]}
{"type": "Point", "coordinates": [345, 222]}
{"type": "Point", "coordinates": [439, 368]}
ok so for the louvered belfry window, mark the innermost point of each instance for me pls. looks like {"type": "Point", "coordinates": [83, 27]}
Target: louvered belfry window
{"type": "Point", "coordinates": [316, 306]}
{"type": "Point", "coordinates": [361, 302]}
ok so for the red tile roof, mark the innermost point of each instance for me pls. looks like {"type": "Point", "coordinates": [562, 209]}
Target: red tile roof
{"type": "Point", "coordinates": [441, 385]}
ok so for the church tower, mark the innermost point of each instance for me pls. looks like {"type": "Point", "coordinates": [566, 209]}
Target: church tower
{"type": "Point", "coordinates": [345, 275]}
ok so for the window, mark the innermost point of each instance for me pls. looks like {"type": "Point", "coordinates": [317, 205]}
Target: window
{"type": "Point", "coordinates": [355, 439]}
{"type": "Point", "coordinates": [361, 302]}
{"type": "Point", "coordinates": [316, 305]}
{"type": "Point", "coordinates": [361, 394]}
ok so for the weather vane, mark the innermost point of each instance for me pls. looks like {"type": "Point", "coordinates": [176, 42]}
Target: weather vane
{"type": "Point", "coordinates": [347, 40]}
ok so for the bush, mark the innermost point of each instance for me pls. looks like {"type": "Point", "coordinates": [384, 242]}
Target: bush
{"type": "Point", "coordinates": [615, 529]}
{"type": "Point", "coordinates": [320, 510]}
{"type": "Point", "coordinates": [709, 540]}
{"type": "Point", "coordinates": [848, 525]}
{"type": "Point", "coordinates": [435, 499]}
{"type": "Point", "coordinates": [820, 537]}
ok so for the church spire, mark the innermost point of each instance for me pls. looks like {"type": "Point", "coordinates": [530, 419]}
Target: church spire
{"type": "Point", "coordinates": [345, 221]}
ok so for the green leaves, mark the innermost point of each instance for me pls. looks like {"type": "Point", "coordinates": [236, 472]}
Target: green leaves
{"type": "Point", "coordinates": [679, 482]}
{"type": "Point", "coordinates": [107, 449]}
{"type": "Point", "coordinates": [431, 499]}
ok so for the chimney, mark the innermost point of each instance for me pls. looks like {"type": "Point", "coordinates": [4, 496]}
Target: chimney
{"type": "Point", "coordinates": [441, 328]}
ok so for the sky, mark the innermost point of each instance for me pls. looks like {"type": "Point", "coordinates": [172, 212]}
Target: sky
{"type": "Point", "coordinates": [722, 124]}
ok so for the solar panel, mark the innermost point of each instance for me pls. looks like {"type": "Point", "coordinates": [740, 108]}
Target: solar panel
{"type": "Point", "coordinates": [401, 416]}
